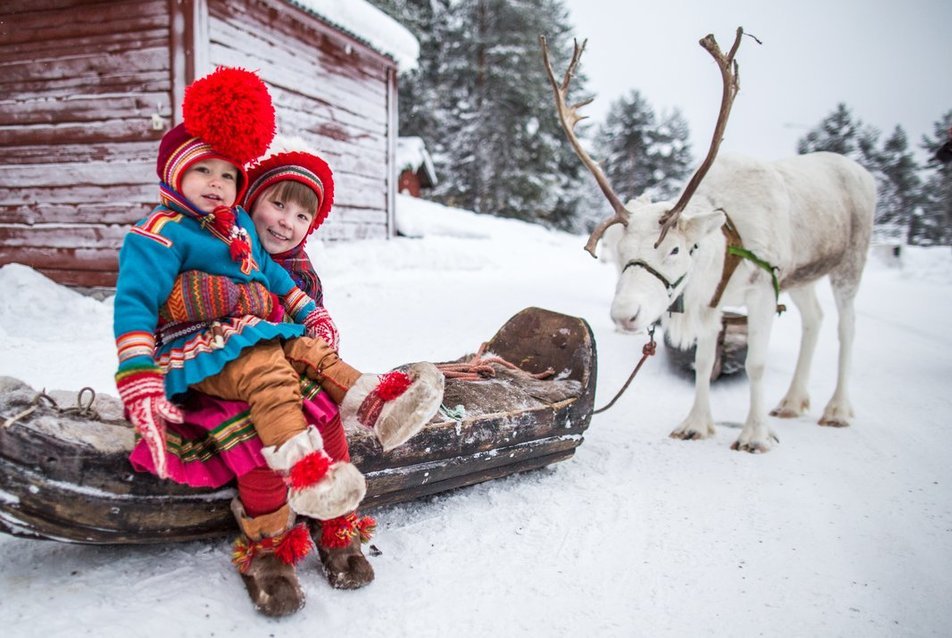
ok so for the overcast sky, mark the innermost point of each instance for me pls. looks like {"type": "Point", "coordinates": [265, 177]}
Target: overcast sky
{"type": "Point", "coordinates": [890, 62]}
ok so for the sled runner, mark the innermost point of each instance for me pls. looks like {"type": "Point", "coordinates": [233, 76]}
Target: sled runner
{"type": "Point", "coordinates": [731, 348]}
{"type": "Point", "coordinates": [64, 472]}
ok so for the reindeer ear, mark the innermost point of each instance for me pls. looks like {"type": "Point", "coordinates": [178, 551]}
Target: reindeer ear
{"type": "Point", "coordinates": [697, 227]}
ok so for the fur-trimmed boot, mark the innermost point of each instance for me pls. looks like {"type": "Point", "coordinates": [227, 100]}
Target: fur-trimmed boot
{"type": "Point", "coordinates": [338, 545]}
{"type": "Point", "coordinates": [265, 555]}
{"type": "Point", "coordinates": [395, 405]}
{"type": "Point", "coordinates": [318, 486]}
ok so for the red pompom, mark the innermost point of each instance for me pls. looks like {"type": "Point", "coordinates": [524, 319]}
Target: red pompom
{"type": "Point", "coordinates": [295, 545]}
{"type": "Point", "coordinates": [366, 526]}
{"type": "Point", "coordinates": [338, 532]}
{"type": "Point", "coordinates": [231, 110]}
{"type": "Point", "coordinates": [239, 248]}
{"type": "Point", "coordinates": [309, 470]}
{"type": "Point", "coordinates": [392, 385]}
{"type": "Point", "coordinates": [223, 218]}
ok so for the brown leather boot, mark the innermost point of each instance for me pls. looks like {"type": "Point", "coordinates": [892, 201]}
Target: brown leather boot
{"type": "Point", "coordinates": [318, 361]}
{"type": "Point", "coordinates": [338, 546]}
{"type": "Point", "coordinates": [265, 555]}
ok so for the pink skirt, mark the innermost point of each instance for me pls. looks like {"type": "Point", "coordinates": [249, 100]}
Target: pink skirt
{"type": "Point", "coordinates": [217, 442]}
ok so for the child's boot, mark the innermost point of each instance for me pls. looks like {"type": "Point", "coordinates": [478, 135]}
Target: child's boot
{"type": "Point", "coordinates": [338, 545]}
{"type": "Point", "coordinates": [395, 405]}
{"type": "Point", "coordinates": [318, 486]}
{"type": "Point", "coordinates": [265, 554]}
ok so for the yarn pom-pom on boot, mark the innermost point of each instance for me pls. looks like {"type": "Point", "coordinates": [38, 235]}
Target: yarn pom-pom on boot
{"type": "Point", "coordinates": [318, 486]}
{"type": "Point", "coordinates": [338, 545]}
{"type": "Point", "coordinates": [265, 555]}
{"type": "Point", "coordinates": [395, 405]}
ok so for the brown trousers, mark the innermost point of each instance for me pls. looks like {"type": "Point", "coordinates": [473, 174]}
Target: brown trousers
{"type": "Point", "coordinates": [267, 377]}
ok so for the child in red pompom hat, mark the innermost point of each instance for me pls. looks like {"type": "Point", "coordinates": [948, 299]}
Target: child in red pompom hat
{"type": "Point", "coordinates": [198, 311]}
{"type": "Point", "coordinates": [290, 195]}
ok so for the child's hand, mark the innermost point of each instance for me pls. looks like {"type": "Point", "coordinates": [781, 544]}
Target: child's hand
{"type": "Point", "coordinates": [143, 394]}
{"type": "Point", "coordinates": [319, 325]}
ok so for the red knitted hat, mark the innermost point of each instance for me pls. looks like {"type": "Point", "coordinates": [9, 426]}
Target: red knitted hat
{"type": "Point", "coordinates": [298, 166]}
{"type": "Point", "coordinates": [227, 115]}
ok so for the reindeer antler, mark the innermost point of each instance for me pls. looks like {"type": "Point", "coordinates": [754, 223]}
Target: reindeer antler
{"type": "Point", "coordinates": [569, 117]}
{"type": "Point", "coordinates": [730, 76]}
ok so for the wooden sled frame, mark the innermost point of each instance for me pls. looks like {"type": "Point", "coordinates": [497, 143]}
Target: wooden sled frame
{"type": "Point", "coordinates": [65, 477]}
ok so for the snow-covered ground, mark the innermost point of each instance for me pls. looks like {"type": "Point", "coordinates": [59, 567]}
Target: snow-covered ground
{"type": "Point", "coordinates": [836, 532]}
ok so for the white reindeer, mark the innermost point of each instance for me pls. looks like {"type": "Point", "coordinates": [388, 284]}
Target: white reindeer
{"type": "Point", "coordinates": [748, 230]}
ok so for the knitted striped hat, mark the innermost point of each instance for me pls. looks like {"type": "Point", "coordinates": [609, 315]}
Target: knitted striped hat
{"type": "Point", "coordinates": [228, 115]}
{"type": "Point", "coordinates": [297, 166]}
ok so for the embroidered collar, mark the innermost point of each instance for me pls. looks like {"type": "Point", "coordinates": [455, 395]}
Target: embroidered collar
{"type": "Point", "coordinates": [221, 222]}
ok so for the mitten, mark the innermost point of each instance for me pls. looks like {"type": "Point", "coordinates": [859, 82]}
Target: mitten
{"type": "Point", "coordinates": [142, 391]}
{"type": "Point", "coordinates": [318, 324]}
{"type": "Point", "coordinates": [318, 486]}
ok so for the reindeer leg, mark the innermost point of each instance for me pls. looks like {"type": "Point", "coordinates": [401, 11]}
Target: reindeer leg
{"type": "Point", "coordinates": [797, 400]}
{"type": "Point", "coordinates": [699, 423]}
{"type": "Point", "coordinates": [838, 411]}
{"type": "Point", "coordinates": [756, 436]}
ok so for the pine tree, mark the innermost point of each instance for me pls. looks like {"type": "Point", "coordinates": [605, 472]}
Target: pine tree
{"type": "Point", "coordinates": [482, 103]}
{"type": "Point", "coordinates": [420, 107]}
{"type": "Point", "coordinates": [933, 224]}
{"type": "Point", "coordinates": [837, 133]}
{"type": "Point", "coordinates": [898, 187]}
{"type": "Point", "coordinates": [637, 154]}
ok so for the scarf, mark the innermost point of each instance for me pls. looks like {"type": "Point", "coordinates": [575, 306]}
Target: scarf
{"type": "Point", "coordinates": [299, 266]}
{"type": "Point", "coordinates": [221, 222]}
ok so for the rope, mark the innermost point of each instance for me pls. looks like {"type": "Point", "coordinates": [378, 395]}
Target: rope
{"type": "Point", "coordinates": [86, 411]}
{"type": "Point", "coordinates": [648, 350]}
{"type": "Point", "coordinates": [480, 367]}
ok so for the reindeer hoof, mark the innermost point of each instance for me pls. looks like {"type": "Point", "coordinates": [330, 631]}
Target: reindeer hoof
{"type": "Point", "coordinates": [791, 408]}
{"type": "Point", "coordinates": [754, 447]}
{"type": "Point", "coordinates": [689, 435]}
{"type": "Point", "coordinates": [834, 422]}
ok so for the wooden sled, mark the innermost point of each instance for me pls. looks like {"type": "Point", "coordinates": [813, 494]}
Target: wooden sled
{"type": "Point", "coordinates": [64, 474]}
{"type": "Point", "coordinates": [731, 350]}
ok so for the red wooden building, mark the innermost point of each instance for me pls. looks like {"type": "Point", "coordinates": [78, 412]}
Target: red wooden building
{"type": "Point", "coordinates": [415, 166]}
{"type": "Point", "coordinates": [88, 87]}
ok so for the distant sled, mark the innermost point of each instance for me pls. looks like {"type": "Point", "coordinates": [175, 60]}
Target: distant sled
{"type": "Point", "coordinates": [65, 476]}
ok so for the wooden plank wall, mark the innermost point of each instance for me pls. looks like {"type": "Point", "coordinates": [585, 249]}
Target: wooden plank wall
{"type": "Point", "coordinates": [329, 89]}
{"type": "Point", "coordinates": [79, 83]}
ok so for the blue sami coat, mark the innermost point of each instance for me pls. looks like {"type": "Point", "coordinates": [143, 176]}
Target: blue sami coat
{"type": "Point", "coordinates": [153, 254]}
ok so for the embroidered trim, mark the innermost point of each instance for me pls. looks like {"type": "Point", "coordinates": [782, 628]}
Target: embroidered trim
{"type": "Point", "coordinates": [295, 302]}
{"type": "Point", "coordinates": [135, 344]}
{"type": "Point", "coordinates": [340, 532]}
{"type": "Point", "coordinates": [290, 547]}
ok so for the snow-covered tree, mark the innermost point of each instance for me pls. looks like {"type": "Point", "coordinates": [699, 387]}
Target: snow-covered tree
{"type": "Point", "coordinates": [483, 104]}
{"type": "Point", "coordinates": [837, 133]}
{"type": "Point", "coordinates": [898, 186]}
{"type": "Point", "coordinates": [639, 155]}
{"type": "Point", "coordinates": [933, 222]}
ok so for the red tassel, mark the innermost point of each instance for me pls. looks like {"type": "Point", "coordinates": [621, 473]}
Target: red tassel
{"type": "Point", "coordinates": [366, 526]}
{"type": "Point", "coordinates": [339, 532]}
{"type": "Point", "coordinates": [239, 249]}
{"type": "Point", "coordinates": [392, 385]}
{"type": "Point", "coordinates": [294, 546]}
{"type": "Point", "coordinates": [309, 470]}
{"type": "Point", "coordinates": [223, 219]}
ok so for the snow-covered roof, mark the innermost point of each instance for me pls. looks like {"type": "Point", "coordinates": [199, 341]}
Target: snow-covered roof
{"type": "Point", "coordinates": [366, 22]}
{"type": "Point", "coordinates": [412, 155]}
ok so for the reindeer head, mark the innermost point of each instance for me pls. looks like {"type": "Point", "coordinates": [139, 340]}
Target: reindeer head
{"type": "Point", "coordinates": [655, 251]}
